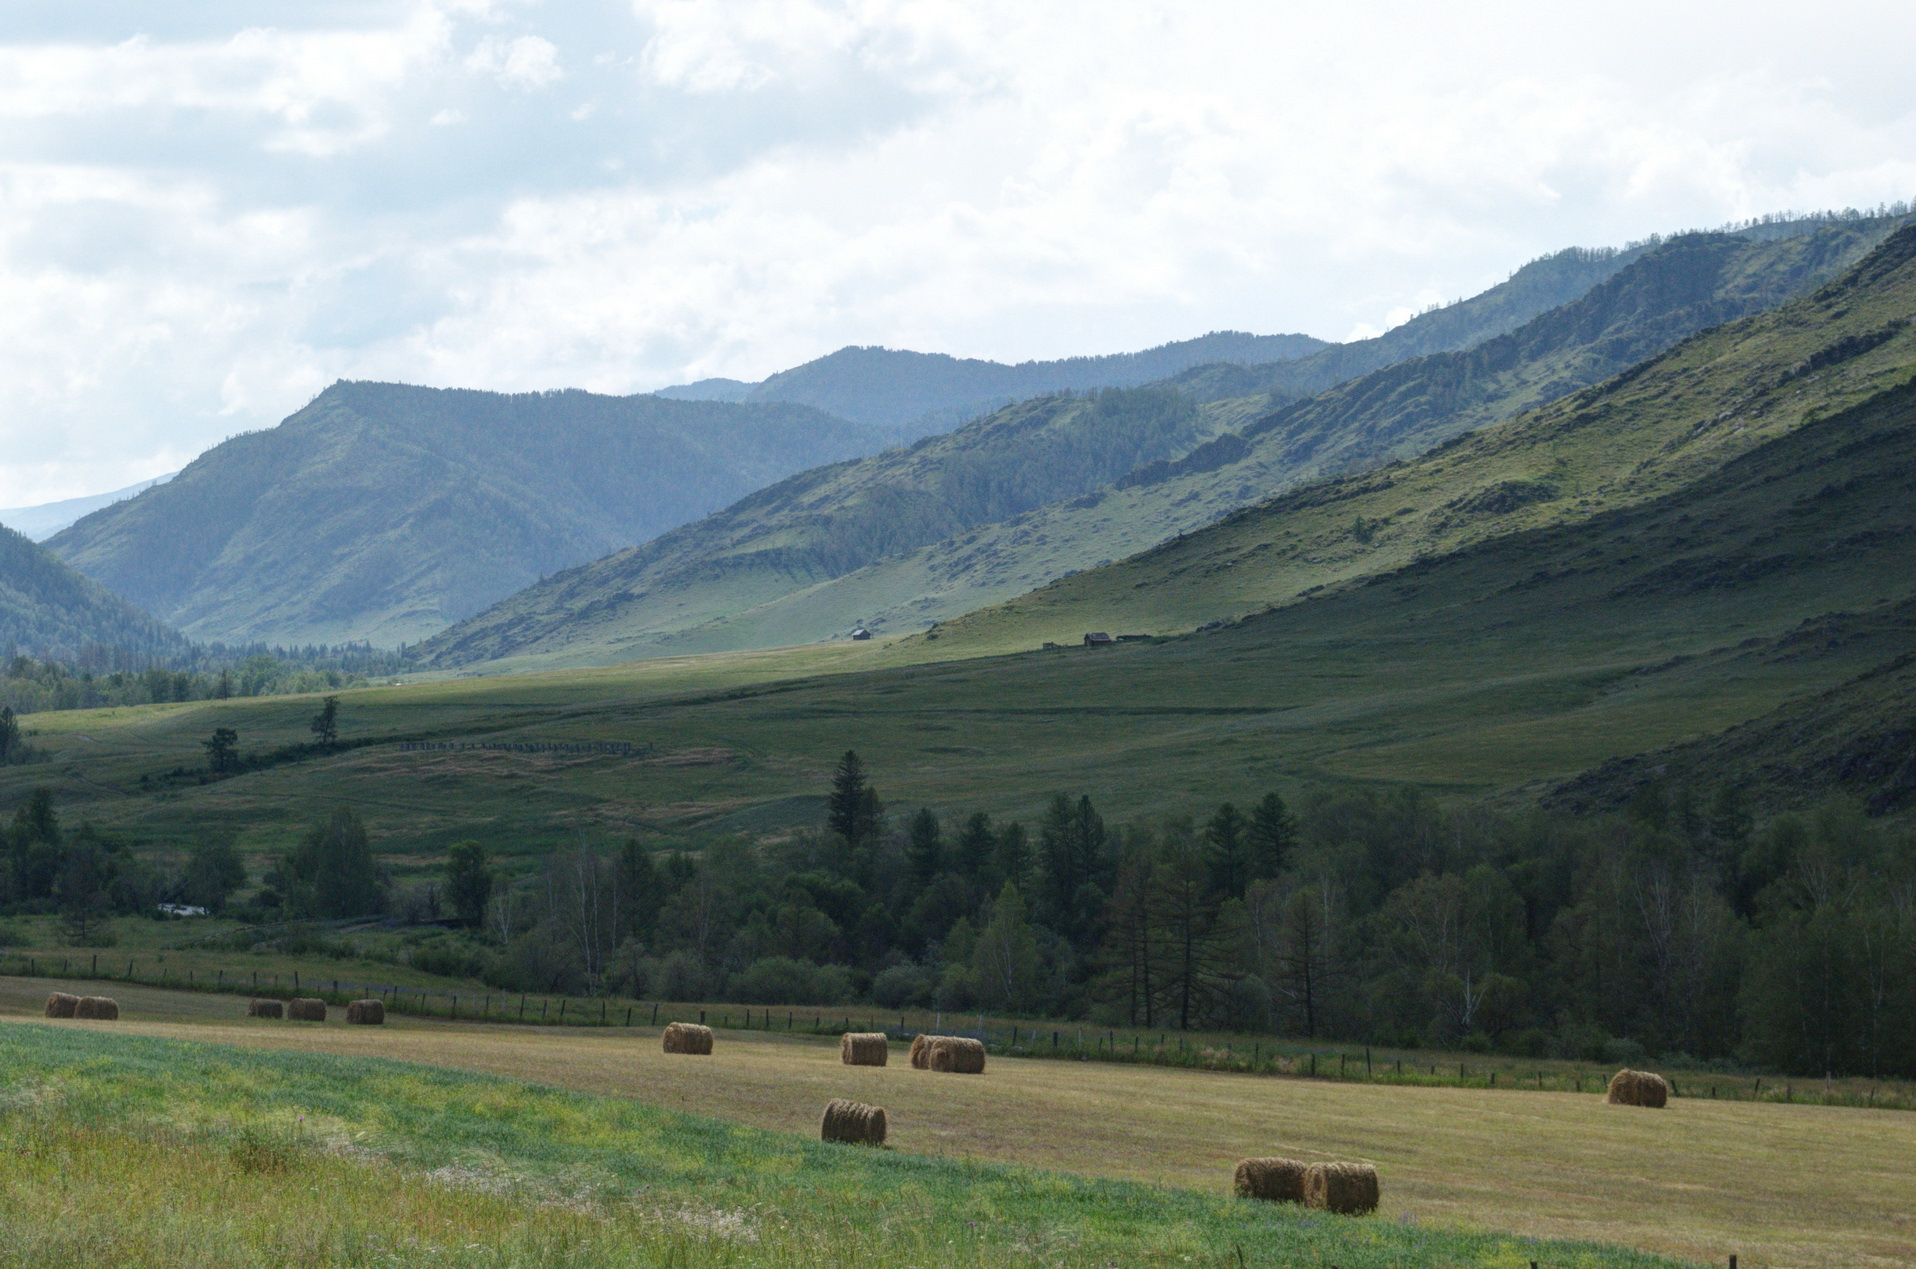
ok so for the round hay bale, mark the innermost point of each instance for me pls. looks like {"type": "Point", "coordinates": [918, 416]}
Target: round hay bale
{"type": "Point", "coordinates": [853, 1122]}
{"type": "Point", "coordinates": [98, 1008]}
{"type": "Point", "coordinates": [367, 1013]}
{"type": "Point", "coordinates": [959, 1055]}
{"type": "Point", "coordinates": [921, 1052]}
{"type": "Point", "coordinates": [1273, 1180]}
{"type": "Point", "coordinates": [687, 1037]}
{"type": "Point", "coordinates": [265, 1009]}
{"type": "Point", "coordinates": [306, 1009]}
{"type": "Point", "coordinates": [863, 1048]}
{"type": "Point", "coordinates": [62, 1004]}
{"type": "Point", "coordinates": [1348, 1189]}
{"type": "Point", "coordinates": [1637, 1088]}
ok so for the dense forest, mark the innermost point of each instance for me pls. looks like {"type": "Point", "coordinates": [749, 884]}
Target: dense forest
{"type": "Point", "coordinates": [1679, 929]}
{"type": "Point", "coordinates": [99, 677]}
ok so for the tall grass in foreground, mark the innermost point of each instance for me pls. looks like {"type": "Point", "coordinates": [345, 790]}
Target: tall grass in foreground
{"type": "Point", "coordinates": [125, 1150]}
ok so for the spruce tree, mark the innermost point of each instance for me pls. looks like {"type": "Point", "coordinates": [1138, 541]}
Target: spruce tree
{"type": "Point", "coordinates": [975, 846]}
{"type": "Point", "coordinates": [1270, 836]}
{"type": "Point", "coordinates": [1228, 852]}
{"type": "Point", "coordinates": [468, 882]}
{"type": "Point", "coordinates": [924, 848]}
{"type": "Point", "coordinates": [222, 751]}
{"type": "Point", "coordinates": [852, 811]}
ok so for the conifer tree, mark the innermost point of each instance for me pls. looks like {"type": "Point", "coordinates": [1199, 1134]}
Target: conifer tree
{"type": "Point", "coordinates": [1270, 836]}
{"type": "Point", "coordinates": [1229, 851]}
{"type": "Point", "coordinates": [853, 811]}
{"type": "Point", "coordinates": [924, 848]}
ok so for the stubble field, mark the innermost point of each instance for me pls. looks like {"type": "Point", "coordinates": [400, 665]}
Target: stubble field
{"type": "Point", "coordinates": [1778, 1185]}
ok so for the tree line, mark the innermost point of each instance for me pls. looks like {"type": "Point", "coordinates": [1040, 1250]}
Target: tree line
{"type": "Point", "coordinates": [1680, 928]}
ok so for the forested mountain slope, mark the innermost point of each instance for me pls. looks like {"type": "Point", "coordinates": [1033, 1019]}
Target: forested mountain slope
{"type": "Point", "coordinates": [831, 520]}
{"type": "Point", "coordinates": [932, 392]}
{"type": "Point", "coordinates": [1683, 286]}
{"type": "Point", "coordinates": [1701, 404]}
{"type": "Point", "coordinates": [48, 610]}
{"type": "Point", "coordinates": [383, 512]}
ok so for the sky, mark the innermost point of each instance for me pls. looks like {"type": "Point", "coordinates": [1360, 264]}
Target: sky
{"type": "Point", "coordinates": [210, 211]}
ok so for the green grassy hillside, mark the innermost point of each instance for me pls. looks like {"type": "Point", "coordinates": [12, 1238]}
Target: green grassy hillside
{"type": "Point", "coordinates": [826, 522]}
{"type": "Point", "coordinates": [1686, 285]}
{"type": "Point", "coordinates": [48, 610]}
{"type": "Point", "coordinates": [1643, 434]}
{"type": "Point", "coordinates": [383, 513]}
{"type": "Point", "coordinates": [1499, 667]}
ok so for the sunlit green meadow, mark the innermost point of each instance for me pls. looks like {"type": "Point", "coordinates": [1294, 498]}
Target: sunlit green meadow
{"type": "Point", "coordinates": [128, 1150]}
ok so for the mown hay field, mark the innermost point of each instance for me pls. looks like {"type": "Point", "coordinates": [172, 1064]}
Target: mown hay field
{"type": "Point", "coordinates": [1778, 1185]}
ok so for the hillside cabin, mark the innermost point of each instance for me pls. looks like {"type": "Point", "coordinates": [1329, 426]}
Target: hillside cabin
{"type": "Point", "coordinates": [1098, 639]}
{"type": "Point", "coordinates": [860, 633]}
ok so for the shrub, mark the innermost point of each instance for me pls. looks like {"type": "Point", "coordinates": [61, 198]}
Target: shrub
{"type": "Point", "coordinates": [902, 986]}
{"type": "Point", "coordinates": [780, 980]}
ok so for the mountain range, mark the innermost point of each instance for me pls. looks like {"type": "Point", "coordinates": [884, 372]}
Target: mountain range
{"type": "Point", "coordinates": [382, 512]}
{"type": "Point", "coordinates": [923, 393]}
{"type": "Point", "coordinates": [820, 553]}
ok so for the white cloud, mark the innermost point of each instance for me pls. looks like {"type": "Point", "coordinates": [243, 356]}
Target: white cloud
{"type": "Point", "coordinates": [525, 62]}
{"type": "Point", "coordinates": [198, 231]}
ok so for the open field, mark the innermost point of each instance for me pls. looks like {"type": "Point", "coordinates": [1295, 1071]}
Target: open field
{"type": "Point", "coordinates": [1779, 1185]}
{"type": "Point", "coordinates": [122, 1149]}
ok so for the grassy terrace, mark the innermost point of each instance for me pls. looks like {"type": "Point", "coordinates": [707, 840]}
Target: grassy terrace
{"type": "Point", "coordinates": [194, 1154]}
{"type": "Point", "coordinates": [1779, 1185]}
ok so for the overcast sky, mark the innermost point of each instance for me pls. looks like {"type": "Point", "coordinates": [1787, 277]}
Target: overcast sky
{"type": "Point", "coordinates": [210, 210]}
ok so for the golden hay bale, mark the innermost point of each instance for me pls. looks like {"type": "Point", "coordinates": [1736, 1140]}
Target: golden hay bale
{"type": "Point", "coordinates": [1349, 1189]}
{"type": "Point", "coordinates": [98, 1008]}
{"type": "Point", "coordinates": [687, 1037]}
{"type": "Point", "coordinates": [1637, 1088]}
{"type": "Point", "coordinates": [265, 1009]}
{"type": "Point", "coordinates": [371, 1013]}
{"type": "Point", "coordinates": [863, 1048]}
{"type": "Point", "coordinates": [853, 1122]}
{"type": "Point", "coordinates": [61, 1005]}
{"type": "Point", "coordinates": [921, 1052]}
{"type": "Point", "coordinates": [1273, 1180]}
{"type": "Point", "coordinates": [306, 1009]}
{"type": "Point", "coordinates": [956, 1054]}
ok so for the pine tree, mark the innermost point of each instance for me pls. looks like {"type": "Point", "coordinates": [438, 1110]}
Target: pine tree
{"type": "Point", "coordinates": [1011, 856]}
{"type": "Point", "coordinates": [641, 892]}
{"type": "Point", "coordinates": [222, 750]}
{"type": "Point", "coordinates": [972, 855]}
{"type": "Point", "coordinates": [852, 811]}
{"type": "Point", "coordinates": [468, 881]}
{"type": "Point", "coordinates": [1229, 851]}
{"type": "Point", "coordinates": [1270, 836]}
{"type": "Point", "coordinates": [325, 724]}
{"type": "Point", "coordinates": [924, 848]}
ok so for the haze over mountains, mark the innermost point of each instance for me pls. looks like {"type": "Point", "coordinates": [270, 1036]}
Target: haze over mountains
{"type": "Point", "coordinates": [381, 512]}
{"type": "Point", "coordinates": [812, 557]}
{"type": "Point", "coordinates": [922, 393]}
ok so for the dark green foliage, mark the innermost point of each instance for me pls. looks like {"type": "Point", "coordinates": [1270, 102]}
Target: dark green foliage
{"type": "Point", "coordinates": [853, 810]}
{"type": "Point", "coordinates": [384, 512]}
{"type": "Point", "coordinates": [1227, 839]}
{"type": "Point", "coordinates": [468, 882]}
{"type": "Point", "coordinates": [11, 746]}
{"type": "Point", "coordinates": [642, 888]}
{"type": "Point", "coordinates": [222, 751]}
{"type": "Point", "coordinates": [331, 873]}
{"type": "Point", "coordinates": [973, 853]}
{"type": "Point", "coordinates": [1271, 835]}
{"type": "Point", "coordinates": [1072, 847]}
{"type": "Point", "coordinates": [924, 847]}
{"type": "Point", "coordinates": [213, 871]}
{"type": "Point", "coordinates": [81, 888]}
{"type": "Point", "coordinates": [325, 724]}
